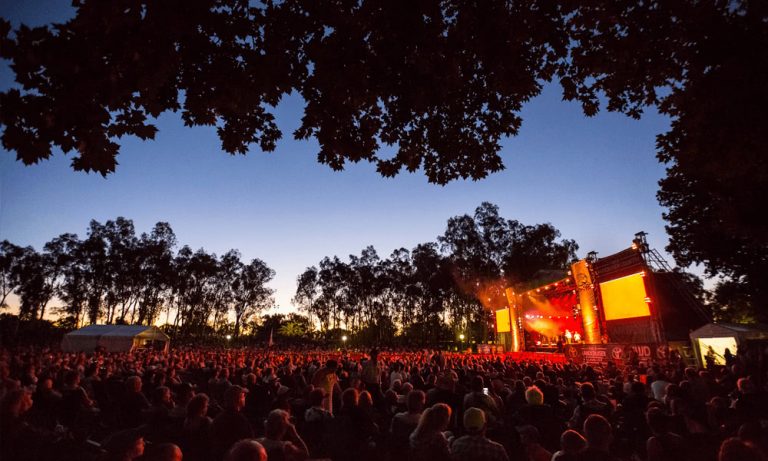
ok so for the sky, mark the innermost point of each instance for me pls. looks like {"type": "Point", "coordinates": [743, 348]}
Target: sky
{"type": "Point", "coordinates": [595, 179]}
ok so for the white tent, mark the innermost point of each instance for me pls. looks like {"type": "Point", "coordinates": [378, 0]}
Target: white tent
{"type": "Point", "coordinates": [714, 338]}
{"type": "Point", "coordinates": [114, 338]}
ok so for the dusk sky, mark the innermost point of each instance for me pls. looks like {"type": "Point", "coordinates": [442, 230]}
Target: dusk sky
{"type": "Point", "coordinates": [595, 179]}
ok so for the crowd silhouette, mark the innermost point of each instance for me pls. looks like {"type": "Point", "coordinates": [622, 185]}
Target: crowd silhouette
{"type": "Point", "coordinates": [300, 403]}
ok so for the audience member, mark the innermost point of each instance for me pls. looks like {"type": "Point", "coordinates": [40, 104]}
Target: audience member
{"type": "Point", "coordinates": [475, 446]}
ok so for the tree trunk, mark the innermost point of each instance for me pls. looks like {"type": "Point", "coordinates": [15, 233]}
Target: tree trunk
{"type": "Point", "coordinates": [237, 324]}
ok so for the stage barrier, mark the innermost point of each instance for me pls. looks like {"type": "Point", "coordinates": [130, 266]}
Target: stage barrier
{"type": "Point", "coordinates": [548, 356]}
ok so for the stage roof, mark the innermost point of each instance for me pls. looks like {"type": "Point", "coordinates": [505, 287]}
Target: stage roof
{"type": "Point", "coordinates": [119, 330]}
{"type": "Point", "coordinates": [114, 338]}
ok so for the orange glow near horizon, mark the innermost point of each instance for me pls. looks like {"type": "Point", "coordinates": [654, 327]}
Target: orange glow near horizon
{"type": "Point", "coordinates": [625, 297]}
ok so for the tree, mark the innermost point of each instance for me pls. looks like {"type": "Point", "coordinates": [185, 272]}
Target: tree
{"type": "Point", "coordinates": [155, 271]}
{"type": "Point", "coordinates": [123, 268]}
{"type": "Point", "coordinates": [73, 289]}
{"type": "Point", "coordinates": [472, 264]}
{"type": "Point", "coordinates": [269, 324]}
{"type": "Point", "coordinates": [114, 276]}
{"type": "Point", "coordinates": [295, 326]}
{"type": "Point", "coordinates": [38, 275]}
{"type": "Point", "coordinates": [30, 283]}
{"type": "Point", "coordinates": [250, 292]}
{"type": "Point", "coordinates": [57, 256]}
{"type": "Point", "coordinates": [223, 289]}
{"type": "Point", "coordinates": [398, 289]}
{"type": "Point", "coordinates": [715, 183]}
{"type": "Point", "coordinates": [443, 81]}
{"type": "Point", "coordinates": [716, 153]}
{"type": "Point", "coordinates": [535, 248]}
{"type": "Point", "coordinates": [93, 254]}
{"type": "Point", "coordinates": [333, 278]}
{"type": "Point", "coordinates": [730, 303]}
{"type": "Point", "coordinates": [180, 283]}
{"type": "Point", "coordinates": [194, 288]}
{"type": "Point", "coordinates": [307, 292]}
{"type": "Point", "coordinates": [433, 283]}
{"type": "Point", "coordinates": [365, 287]}
{"type": "Point", "coordinates": [10, 260]}
{"type": "Point", "coordinates": [437, 80]}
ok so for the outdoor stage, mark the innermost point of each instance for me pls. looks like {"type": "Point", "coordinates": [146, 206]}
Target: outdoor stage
{"type": "Point", "coordinates": [624, 307]}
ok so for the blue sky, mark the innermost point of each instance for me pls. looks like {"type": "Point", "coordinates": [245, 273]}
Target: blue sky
{"type": "Point", "coordinates": [595, 179]}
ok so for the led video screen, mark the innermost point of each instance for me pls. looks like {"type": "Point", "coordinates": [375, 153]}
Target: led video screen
{"type": "Point", "coordinates": [502, 321]}
{"type": "Point", "coordinates": [625, 297]}
{"type": "Point", "coordinates": [715, 348]}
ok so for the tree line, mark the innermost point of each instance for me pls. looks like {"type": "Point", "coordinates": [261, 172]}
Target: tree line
{"type": "Point", "coordinates": [114, 275]}
{"type": "Point", "coordinates": [436, 290]}
{"type": "Point", "coordinates": [425, 294]}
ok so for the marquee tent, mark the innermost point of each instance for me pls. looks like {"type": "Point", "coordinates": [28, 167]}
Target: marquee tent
{"type": "Point", "coordinates": [714, 338]}
{"type": "Point", "coordinates": [114, 338]}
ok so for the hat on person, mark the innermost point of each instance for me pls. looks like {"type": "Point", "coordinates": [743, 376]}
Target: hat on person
{"type": "Point", "coordinates": [474, 419]}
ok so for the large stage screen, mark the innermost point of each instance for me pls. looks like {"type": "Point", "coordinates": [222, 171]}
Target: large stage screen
{"type": "Point", "coordinates": [502, 321]}
{"type": "Point", "coordinates": [625, 297]}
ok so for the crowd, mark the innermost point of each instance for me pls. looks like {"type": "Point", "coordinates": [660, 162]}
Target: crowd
{"type": "Point", "coordinates": [246, 404]}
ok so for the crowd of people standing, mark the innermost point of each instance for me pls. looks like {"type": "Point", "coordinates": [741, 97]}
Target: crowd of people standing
{"type": "Point", "coordinates": [196, 403]}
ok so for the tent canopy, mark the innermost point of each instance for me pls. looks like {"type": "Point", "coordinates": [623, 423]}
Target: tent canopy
{"type": "Point", "coordinates": [713, 339]}
{"type": "Point", "coordinates": [113, 338]}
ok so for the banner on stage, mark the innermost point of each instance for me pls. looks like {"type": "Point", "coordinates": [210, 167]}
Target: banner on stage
{"type": "Point", "coordinates": [620, 354]}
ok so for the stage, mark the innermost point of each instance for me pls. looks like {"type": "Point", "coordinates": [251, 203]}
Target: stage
{"type": "Point", "coordinates": [616, 308]}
